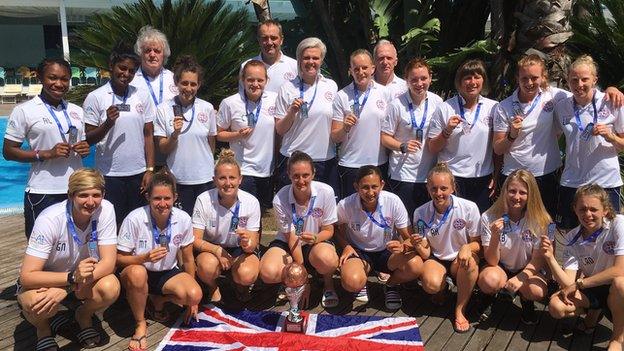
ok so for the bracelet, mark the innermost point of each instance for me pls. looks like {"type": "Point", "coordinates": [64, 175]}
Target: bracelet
{"type": "Point", "coordinates": [37, 157]}
{"type": "Point", "coordinates": [446, 134]}
{"type": "Point", "coordinates": [510, 138]}
{"type": "Point", "coordinates": [149, 169]}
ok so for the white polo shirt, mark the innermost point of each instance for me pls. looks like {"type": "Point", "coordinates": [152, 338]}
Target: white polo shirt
{"type": "Point", "coordinates": [122, 150]}
{"type": "Point", "coordinates": [255, 152]}
{"type": "Point", "coordinates": [310, 135]}
{"type": "Point", "coordinates": [136, 236]}
{"type": "Point", "coordinates": [52, 241]}
{"type": "Point", "coordinates": [516, 248]}
{"type": "Point", "coordinates": [362, 145]}
{"type": "Point", "coordinates": [397, 86]}
{"type": "Point", "coordinates": [412, 166]}
{"type": "Point", "coordinates": [170, 90]}
{"type": "Point", "coordinates": [192, 161]}
{"type": "Point", "coordinates": [362, 232]}
{"type": "Point", "coordinates": [323, 210]}
{"type": "Point", "coordinates": [462, 223]}
{"type": "Point", "coordinates": [214, 219]}
{"type": "Point", "coordinates": [536, 148]}
{"type": "Point", "coordinates": [594, 160]}
{"type": "Point", "coordinates": [594, 256]}
{"type": "Point", "coordinates": [31, 121]}
{"type": "Point", "coordinates": [280, 72]}
{"type": "Point", "coordinates": [468, 152]}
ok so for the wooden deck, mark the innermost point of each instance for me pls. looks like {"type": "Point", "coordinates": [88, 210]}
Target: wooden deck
{"type": "Point", "coordinates": [503, 331]}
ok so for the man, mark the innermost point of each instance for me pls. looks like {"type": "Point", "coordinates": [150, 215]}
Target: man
{"type": "Point", "coordinates": [385, 55]}
{"type": "Point", "coordinates": [280, 68]}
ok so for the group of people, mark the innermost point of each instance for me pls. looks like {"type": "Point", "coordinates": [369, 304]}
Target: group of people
{"type": "Point", "coordinates": [428, 190]}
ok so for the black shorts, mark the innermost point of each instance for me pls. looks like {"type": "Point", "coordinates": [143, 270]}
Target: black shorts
{"type": "Point", "coordinates": [305, 250]}
{"type": "Point", "coordinates": [237, 251]}
{"type": "Point", "coordinates": [597, 296]}
{"type": "Point", "coordinates": [377, 260]}
{"type": "Point", "coordinates": [446, 264]}
{"type": "Point", "coordinates": [156, 280]}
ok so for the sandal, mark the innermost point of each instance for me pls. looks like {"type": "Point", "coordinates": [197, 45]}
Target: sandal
{"type": "Point", "coordinates": [47, 343]}
{"type": "Point", "coordinates": [89, 337]}
{"type": "Point", "coordinates": [138, 341]}
{"type": "Point", "coordinates": [583, 328]}
{"type": "Point", "coordinates": [59, 322]}
{"type": "Point", "coordinates": [461, 327]}
{"type": "Point", "coordinates": [243, 293]}
{"type": "Point", "coordinates": [329, 299]}
{"type": "Point", "coordinates": [392, 298]}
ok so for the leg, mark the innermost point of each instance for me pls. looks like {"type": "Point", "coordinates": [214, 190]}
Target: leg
{"type": "Point", "coordinates": [184, 290]}
{"type": "Point", "coordinates": [491, 280]}
{"type": "Point", "coordinates": [282, 171]}
{"type": "Point", "coordinates": [272, 264]}
{"type": "Point", "coordinates": [614, 198]}
{"type": "Point", "coordinates": [133, 190]}
{"type": "Point", "coordinates": [324, 259]}
{"type": "Point", "coordinates": [614, 301]}
{"type": "Point", "coordinates": [404, 267]}
{"type": "Point", "coordinates": [466, 280]}
{"type": "Point", "coordinates": [327, 172]}
{"type": "Point", "coordinates": [432, 278]}
{"type": "Point", "coordinates": [134, 280]}
{"type": "Point", "coordinates": [116, 194]}
{"type": "Point", "coordinates": [405, 191]}
{"type": "Point", "coordinates": [245, 269]}
{"type": "Point", "coordinates": [102, 294]}
{"type": "Point", "coordinates": [208, 270]}
{"type": "Point", "coordinates": [41, 322]}
{"type": "Point", "coordinates": [534, 286]}
{"type": "Point", "coordinates": [186, 198]}
{"type": "Point", "coordinates": [354, 274]}
{"type": "Point", "coordinates": [565, 216]}
{"type": "Point", "coordinates": [558, 309]}
{"type": "Point", "coordinates": [548, 186]}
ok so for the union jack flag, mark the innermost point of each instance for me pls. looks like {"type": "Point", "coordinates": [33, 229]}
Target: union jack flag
{"type": "Point", "coordinates": [219, 329]}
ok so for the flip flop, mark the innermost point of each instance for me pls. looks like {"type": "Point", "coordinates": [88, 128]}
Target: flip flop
{"type": "Point", "coordinates": [59, 322]}
{"type": "Point", "coordinates": [47, 343]}
{"type": "Point", "coordinates": [583, 328]}
{"type": "Point", "coordinates": [459, 327]}
{"type": "Point", "coordinates": [138, 340]}
{"type": "Point", "coordinates": [329, 299]}
{"type": "Point", "coordinates": [89, 337]}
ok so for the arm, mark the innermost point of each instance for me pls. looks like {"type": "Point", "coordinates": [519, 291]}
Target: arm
{"type": "Point", "coordinates": [11, 150]}
{"type": "Point", "coordinates": [502, 142]}
{"type": "Point", "coordinates": [200, 245]}
{"type": "Point", "coordinates": [212, 141]}
{"type": "Point", "coordinates": [225, 135]}
{"type": "Point", "coordinates": [148, 136]}
{"type": "Point", "coordinates": [96, 133]}
{"type": "Point", "coordinates": [188, 259]}
{"type": "Point", "coordinates": [249, 240]}
{"type": "Point", "coordinates": [415, 241]}
{"type": "Point", "coordinates": [283, 125]}
{"type": "Point", "coordinates": [338, 131]}
{"type": "Point", "coordinates": [606, 277]}
{"type": "Point", "coordinates": [32, 275]}
{"type": "Point", "coordinates": [106, 264]}
{"type": "Point", "coordinates": [563, 277]}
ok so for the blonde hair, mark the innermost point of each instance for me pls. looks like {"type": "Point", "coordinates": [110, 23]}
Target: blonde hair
{"type": "Point", "coordinates": [84, 179]}
{"type": "Point", "coordinates": [309, 43]}
{"type": "Point", "coordinates": [532, 60]}
{"type": "Point", "coordinates": [599, 193]}
{"type": "Point", "coordinates": [442, 168]}
{"type": "Point", "coordinates": [536, 216]}
{"type": "Point", "coordinates": [585, 60]}
{"type": "Point", "coordinates": [227, 157]}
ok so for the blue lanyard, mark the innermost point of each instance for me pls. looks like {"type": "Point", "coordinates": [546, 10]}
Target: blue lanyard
{"type": "Point", "coordinates": [533, 104]}
{"type": "Point", "coordinates": [156, 233]}
{"type": "Point", "coordinates": [234, 221]}
{"type": "Point", "coordinates": [461, 111]}
{"type": "Point", "coordinates": [411, 111]}
{"type": "Point", "coordinates": [371, 216]}
{"type": "Point", "coordinates": [190, 123]}
{"type": "Point", "coordinates": [255, 115]}
{"type": "Point", "coordinates": [58, 123]}
{"type": "Point", "coordinates": [444, 217]}
{"type": "Point", "coordinates": [577, 113]}
{"type": "Point", "coordinates": [301, 92]}
{"type": "Point", "coordinates": [592, 238]}
{"type": "Point", "coordinates": [298, 221]}
{"type": "Point", "coordinates": [149, 85]}
{"type": "Point", "coordinates": [125, 97]}
{"type": "Point", "coordinates": [356, 99]}
{"type": "Point", "coordinates": [72, 227]}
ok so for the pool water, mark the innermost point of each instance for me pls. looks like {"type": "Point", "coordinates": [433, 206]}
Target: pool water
{"type": "Point", "coordinates": [14, 177]}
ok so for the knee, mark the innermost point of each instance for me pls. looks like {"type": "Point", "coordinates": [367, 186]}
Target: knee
{"type": "Point", "coordinates": [533, 292]}
{"type": "Point", "coordinates": [432, 284]}
{"type": "Point", "coordinates": [108, 288]}
{"type": "Point", "coordinates": [136, 277]}
{"type": "Point", "coordinates": [208, 268]}
{"type": "Point", "coordinates": [489, 283]}
{"type": "Point", "coordinates": [325, 262]}
{"type": "Point", "coordinates": [270, 273]}
{"type": "Point", "coordinates": [353, 282]}
{"type": "Point", "coordinates": [245, 275]}
{"type": "Point", "coordinates": [194, 294]}
{"type": "Point", "coordinates": [414, 266]}
{"type": "Point", "coordinates": [617, 287]}
{"type": "Point", "coordinates": [556, 308]}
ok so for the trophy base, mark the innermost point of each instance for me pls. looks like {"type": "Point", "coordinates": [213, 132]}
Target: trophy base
{"type": "Point", "coordinates": [296, 327]}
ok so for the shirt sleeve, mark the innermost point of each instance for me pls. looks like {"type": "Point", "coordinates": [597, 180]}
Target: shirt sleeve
{"type": "Point", "coordinates": [107, 225]}
{"type": "Point", "coordinates": [570, 259]}
{"type": "Point", "coordinates": [437, 122]}
{"type": "Point", "coordinates": [282, 103]}
{"type": "Point", "coordinates": [329, 211]}
{"type": "Point", "coordinates": [389, 123]}
{"type": "Point", "coordinates": [17, 126]}
{"type": "Point", "coordinates": [501, 122]}
{"type": "Point", "coordinates": [618, 124]}
{"type": "Point", "coordinates": [188, 232]}
{"type": "Point", "coordinates": [472, 222]}
{"type": "Point", "coordinates": [150, 110]}
{"type": "Point", "coordinates": [401, 219]}
{"type": "Point", "coordinates": [200, 215]}
{"type": "Point", "coordinates": [618, 233]}
{"type": "Point", "coordinates": [341, 212]}
{"type": "Point", "coordinates": [484, 230]}
{"type": "Point", "coordinates": [212, 119]}
{"type": "Point", "coordinates": [223, 116]}
{"type": "Point", "coordinates": [43, 238]}
{"type": "Point", "coordinates": [160, 124]}
{"type": "Point", "coordinates": [253, 222]}
{"type": "Point", "coordinates": [92, 112]}
{"type": "Point", "coordinates": [282, 215]}
{"type": "Point", "coordinates": [127, 231]}
{"type": "Point", "coordinates": [338, 108]}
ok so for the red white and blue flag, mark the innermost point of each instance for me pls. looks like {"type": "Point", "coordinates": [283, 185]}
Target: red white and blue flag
{"type": "Point", "coordinates": [219, 329]}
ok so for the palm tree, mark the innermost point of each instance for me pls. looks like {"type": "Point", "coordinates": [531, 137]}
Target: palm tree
{"type": "Point", "coordinates": [219, 37]}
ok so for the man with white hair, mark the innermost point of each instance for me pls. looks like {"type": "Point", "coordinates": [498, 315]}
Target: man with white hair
{"type": "Point", "coordinates": [385, 55]}
{"type": "Point", "coordinates": [280, 68]}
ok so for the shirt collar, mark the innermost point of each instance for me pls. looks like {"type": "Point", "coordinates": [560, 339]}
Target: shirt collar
{"type": "Point", "coordinates": [148, 216]}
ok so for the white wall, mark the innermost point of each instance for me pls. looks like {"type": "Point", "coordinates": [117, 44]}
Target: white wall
{"type": "Point", "coordinates": [21, 45]}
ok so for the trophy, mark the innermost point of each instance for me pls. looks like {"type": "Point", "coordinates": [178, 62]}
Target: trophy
{"type": "Point", "coordinates": [295, 277]}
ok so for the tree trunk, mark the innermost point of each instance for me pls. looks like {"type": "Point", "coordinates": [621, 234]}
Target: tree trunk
{"type": "Point", "coordinates": [262, 9]}
{"type": "Point", "coordinates": [334, 43]}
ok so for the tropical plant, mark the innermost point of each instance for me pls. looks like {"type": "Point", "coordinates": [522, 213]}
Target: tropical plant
{"type": "Point", "coordinates": [599, 30]}
{"type": "Point", "coordinates": [218, 36]}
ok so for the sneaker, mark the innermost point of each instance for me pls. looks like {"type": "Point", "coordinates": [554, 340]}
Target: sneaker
{"type": "Point", "coordinates": [485, 307]}
{"type": "Point", "coordinates": [362, 295]}
{"type": "Point", "coordinates": [392, 298]}
{"type": "Point", "coordinates": [528, 315]}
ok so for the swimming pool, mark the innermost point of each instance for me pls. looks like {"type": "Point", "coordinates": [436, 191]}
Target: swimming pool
{"type": "Point", "coordinates": [14, 177]}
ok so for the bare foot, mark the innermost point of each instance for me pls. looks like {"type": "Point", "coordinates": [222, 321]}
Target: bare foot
{"type": "Point", "coordinates": [139, 339]}
{"type": "Point", "coordinates": [216, 295]}
{"type": "Point", "coordinates": [614, 346]}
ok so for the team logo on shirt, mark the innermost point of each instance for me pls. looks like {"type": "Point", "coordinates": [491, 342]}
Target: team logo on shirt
{"type": "Point", "coordinates": [329, 96]}
{"type": "Point", "coordinates": [38, 240]}
{"type": "Point", "coordinates": [609, 247]}
{"type": "Point", "coordinates": [548, 106]}
{"type": "Point", "coordinates": [173, 89]}
{"type": "Point", "coordinates": [289, 76]}
{"type": "Point", "coordinates": [526, 236]}
{"type": "Point", "coordinates": [242, 222]}
{"type": "Point", "coordinates": [271, 110]}
{"type": "Point", "coordinates": [74, 115]}
{"type": "Point", "coordinates": [381, 104]}
{"type": "Point", "coordinates": [355, 226]}
{"type": "Point", "coordinates": [317, 212]}
{"type": "Point", "coordinates": [177, 239]}
{"type": "Point", "coordinates": [604, 112]}
{"type": "Point", "coordinates": [140, 108]}
{"type": "Point", "coordinates": [126, 236]}
{"type": "Point", "coordinates": [459, 224]}
{"type": "Point", "coordinates": [202, 117]}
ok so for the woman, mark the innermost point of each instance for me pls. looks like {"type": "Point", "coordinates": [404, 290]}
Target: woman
{"type": "Point", "coordinates": [54, 130]}
{"type": "Point", "coordinates": [118, 119]}
{"type": "Point", "coordinates": [404, 131]}
{"type": "Point", "coordinates": [510, 232]}
{"type": "Point", "coordinates": [449, 224]}
{"type": "Point", "coordinates": [460, 133]}
{"type": "Point", "coordinates": [367, 221]}
{"type": "Point", "coordinates": [306, 213]}
{"type": "Point", "coordinates": [226, 221]}
{"type": "Point", "coordinates": [71, 251]}
{"type": "Point", "coordinates": [303, 115]}
{"type": "Point", "coordinates": [150, 239]}
{"type": "Point", "coordinates": [525, 133]}
{"type": "Point", "coordinates": [185, 131]}
{"type": "Point", "coordinates": [247, 121]}
{"type": "Point", "coordinates": [357, 124]}
{"type": "Point", "coordinates": [594, 134]}
{"type": "Point", "coordinates": [592, 276]}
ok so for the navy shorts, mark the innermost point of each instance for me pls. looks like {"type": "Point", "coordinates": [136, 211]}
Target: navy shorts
{"type": "Point", "coordinates": [237, 251]}
{"type": "Point", "coordinates": [377, 260]}
{"type": "Point", "coordinates": [413, 195]}
{"type": "Point", "coordinates": [34, 204]}
{"type": "Point", "coordinates": [125, 194]}
{"type": "Point", "coordinates": [305, 250]}
{"type": "Point", "coordinates": [475, 190]}
{"type": "Point", "coordinates": [260, 187]}
{"type": "Point", "coordinates": [187, 194]}
{"type": "Point", "coordinates": [156, 280]}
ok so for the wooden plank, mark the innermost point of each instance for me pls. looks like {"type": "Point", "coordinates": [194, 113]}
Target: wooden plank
{"type": "Point", "coordinates": [484, 332]}
{"type": "Point", "coordinates": [524, 333]}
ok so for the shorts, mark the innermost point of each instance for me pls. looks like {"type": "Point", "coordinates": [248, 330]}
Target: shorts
{"type": "Point", "coordinates": [237, 251]}
{"type": "Point", "coordinates": [377, 260]}
{"type": "Point", "coordinates": [305, 250]}
{"type": "Point", "coordinates": [597, 296]}
{"type": "Point", "coordinates": [156, 280]}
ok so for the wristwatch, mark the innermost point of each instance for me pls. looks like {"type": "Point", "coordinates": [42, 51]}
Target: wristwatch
{"type": "Point", "coordinates": [149, 169]}
{"type": "Point", "coordinates": [403, 148]}
{"type": "Point", "coordinates": [579, 283]}
{"type": "Point", "coordinates": [70, 278]}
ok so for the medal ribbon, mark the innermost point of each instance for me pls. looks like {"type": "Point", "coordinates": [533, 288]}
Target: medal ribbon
{"type": "Point", "coordinates": [301, 92]}
{"type": "Point", "coordinates": [356, 99]}
{"type": "Point", "coordinates": [461, 112]}
{"type": "Point", "coordinates": [371, 216]}
{"type": "Point", "coordinates": [156, 233]}
{"type": "Point", "coordinates": [577, 113]}
{"type": "Point", "coordinates": [256, 115]}
{"type": "Point", "coordinates": [413, 117]}
{"type": "Point", "coordinates": [149, 85]}
{"type": "Point", "coordinates": [592, 237]}
{"type": "Point", "coordinates": [295, 218]}
{"type": "Point", "coordinates": [444, 217]}
{"type": "Point", "coordinates": [58, 123]}
{"type": "Point", "coordinates": [72, 227]}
